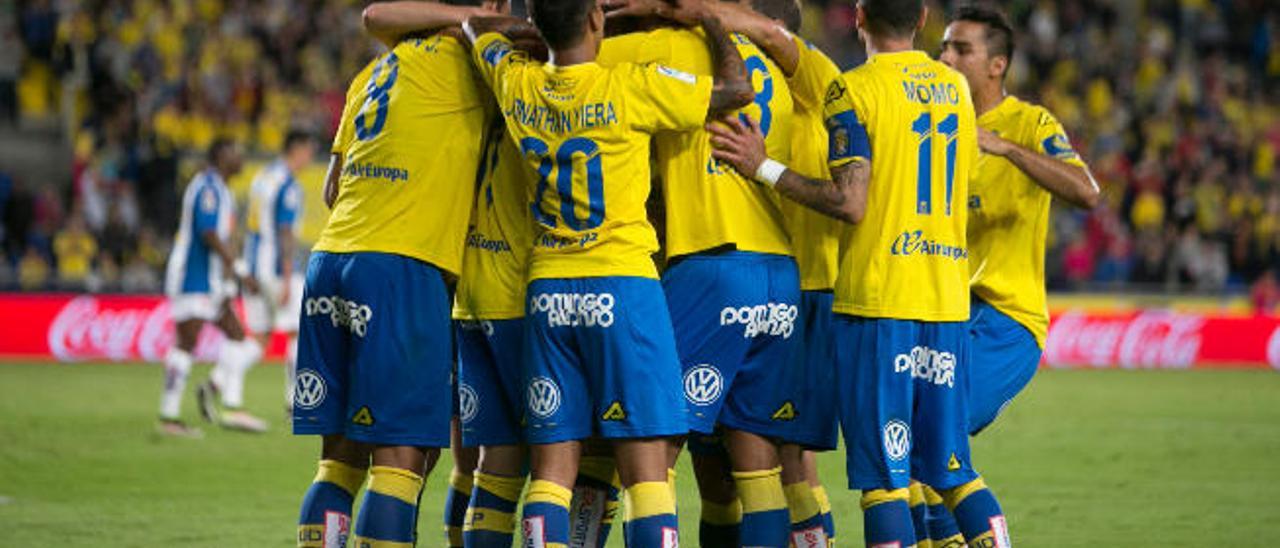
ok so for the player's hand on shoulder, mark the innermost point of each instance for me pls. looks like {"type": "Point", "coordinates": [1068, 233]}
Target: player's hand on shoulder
{"type": "Point", "coordinates": [738, 140]}
{"type": "Point", "coordinates": [991, 143]}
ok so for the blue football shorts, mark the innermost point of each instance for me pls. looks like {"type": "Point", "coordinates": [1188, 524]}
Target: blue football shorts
{"type": "Point", "coordinates": [1004, 356]}
{"type": "Point", "coordinates": [489, 403]}
{"type": "Point", "coordinates": [600, 360]}
{"type": "Point", "coordinates": [903, 409]}
{"type": "Point", "coordinates": [735, 315]}
{"type": "Point", "coordinates": [374, 350]}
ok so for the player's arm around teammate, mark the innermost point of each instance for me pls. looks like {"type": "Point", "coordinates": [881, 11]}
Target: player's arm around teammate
{"type": "Point", "coordinates": [844, 197]}
{"type": "Point", "coordinates": [771, 24]}
{"type": "Point", "coordinates": [602, 259]}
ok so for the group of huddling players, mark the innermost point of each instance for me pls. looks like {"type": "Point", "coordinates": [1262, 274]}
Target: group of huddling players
{"type": "Point", "coordinates": [824, 233]}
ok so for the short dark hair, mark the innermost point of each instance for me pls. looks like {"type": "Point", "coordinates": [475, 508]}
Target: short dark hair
{"type": "Point", "coordinates": [297, 137]}
{"type": "Point", "coordinates": [560, 21]}
{"type": "Point", "coordinates": [217, 147]}
{"type": "Point", "coordinates": [999, 31]}
{"type": "Point", "coordinates": [787, 11]}
{"type": "Point", "coordinates": [892, 17]}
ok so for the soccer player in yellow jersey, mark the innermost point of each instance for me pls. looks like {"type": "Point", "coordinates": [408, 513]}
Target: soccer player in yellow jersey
{"type": "Point", "coordinates": [814, 241]}
{"type": "Point", "coordinates": [375, 356]}
{"type": "Point", "coordinates": [733, 293]}
{"type": "Point", "coordinates": [1028, 162]}
{"type": "Point", "coordinates": [902, 147]}
{"type": "Point", "coordinates": [600, 356]}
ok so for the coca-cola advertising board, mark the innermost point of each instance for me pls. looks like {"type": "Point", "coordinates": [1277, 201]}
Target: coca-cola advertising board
{"type": "Point", "coordinates": [71, 328]}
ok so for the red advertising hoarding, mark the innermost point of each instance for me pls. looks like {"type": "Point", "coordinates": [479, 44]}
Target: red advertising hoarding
{"type": "Point", "coordinates": [69, 328]}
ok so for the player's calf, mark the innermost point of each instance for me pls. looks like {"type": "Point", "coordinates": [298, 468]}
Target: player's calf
{"type": "Point", "coordinates": [325, 518]}
{"type": "Point", "coordinates": [978, 514]}
{"type": "Point", "coordinates": [721, 513]}
{"type": "Point", "coordinates": [757, 474]}
{"type": "Point", "coordinates": [596, 497]}
{"type": "Point", "coordinates": [943, 531]}
{"type": "Point", "coordinates": [919, 514]}
{"type": "Point", "coordinates": [806, 516]}
{"type": "Point", "coordinates": [886, 518]}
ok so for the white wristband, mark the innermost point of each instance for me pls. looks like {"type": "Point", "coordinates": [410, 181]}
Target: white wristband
{"type": "Point", "coordinates": [770, 171]}
{"type": "Point", "coordinates": [241, 268]}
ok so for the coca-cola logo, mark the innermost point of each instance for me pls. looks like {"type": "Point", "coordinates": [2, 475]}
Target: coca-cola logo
{"type": "Point", "coordinates": [1273, 349]}
{"type": "Point", "coordinates": [1153, 339]}
{"type": "Point", "coordinates": [83, 330]}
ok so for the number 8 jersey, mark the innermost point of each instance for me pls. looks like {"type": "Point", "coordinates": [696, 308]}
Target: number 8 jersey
{"type": "Point", "coordinates": [585, 130]}
{"type": "Point", "coordinates": [912, 118]}
{"type": "Point", "coordinates": [411, 137]}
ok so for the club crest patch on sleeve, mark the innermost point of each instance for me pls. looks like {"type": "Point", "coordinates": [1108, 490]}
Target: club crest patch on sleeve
{"type": "Point", "coordinates": [495, 51]}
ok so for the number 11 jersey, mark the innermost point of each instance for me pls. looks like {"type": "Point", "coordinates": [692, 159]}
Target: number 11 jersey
{"type": "Point", "coordinates": [912, 119]}
{"type": "Point", "coordinates": [410, 138]}
{"type": "Point", "coordinates": [585, 130]}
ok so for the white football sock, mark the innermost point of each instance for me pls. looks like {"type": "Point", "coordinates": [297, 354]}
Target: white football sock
{"type": "Point", "coordinates": [177, 365]}
{"type": "Point", "coordinates": [290, 368]}
{"type": "Point", "coordinates": [234, 361]}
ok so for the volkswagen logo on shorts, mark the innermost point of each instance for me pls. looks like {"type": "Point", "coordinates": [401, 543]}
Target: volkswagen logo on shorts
{"type": "Point", "coordinates": [544, 397]}
{"type": "Point", "coordinates": [308, 390]}
{"type": "Point", "coordinates": [703, 384]}
{"type": "Point", "coordinates": [897, 439]}
{"type": "Point", "coordinates": [468, 403]}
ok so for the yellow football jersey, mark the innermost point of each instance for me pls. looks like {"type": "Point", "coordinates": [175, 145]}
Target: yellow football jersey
{"type": "Point", "coordinates": [814, 237]}
{"type": "Point", "coordinates": [585, 130]}
{"type": "Point", "coordinates": [497, 255]}
{"type": "Point", "coordinates": [1009, 215]}
{"type": "Point", "coordinates": [912, 118]}
{"type": "Point", "coordinates": [409, 156]}
{"type": "Point", "coordinates": [708, 204]}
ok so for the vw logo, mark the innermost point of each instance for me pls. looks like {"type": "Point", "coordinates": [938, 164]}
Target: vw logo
{"type": "Point", "coordinates": [703, 384]}
{"type": "Point", "coordinates": [308, 390]}
{"type": "Point", "coordinates": [544, 397]}
{"type": "Point", "coordinates": [468, 403]}
{"type": "Point", "coordinates": [897, 439]}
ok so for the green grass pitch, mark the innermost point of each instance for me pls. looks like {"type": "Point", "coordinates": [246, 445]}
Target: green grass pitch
{"type": "Point", "coordinates": [1083, 458]}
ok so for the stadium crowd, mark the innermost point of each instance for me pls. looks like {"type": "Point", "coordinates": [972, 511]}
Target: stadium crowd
{"type": "Point", "coordinates": [1183, 136]}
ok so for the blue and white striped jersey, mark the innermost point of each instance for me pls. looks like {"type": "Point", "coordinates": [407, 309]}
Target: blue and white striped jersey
{"type": "Point", "coordinates": [275, 200]}
{"type": "Point", "coordinates": [207, 204]}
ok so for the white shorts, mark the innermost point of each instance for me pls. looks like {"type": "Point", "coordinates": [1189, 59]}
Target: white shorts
{"type": "Point", "coordinates": [263, 312]}
{"type": "Point", "coordinates": [196, 306]}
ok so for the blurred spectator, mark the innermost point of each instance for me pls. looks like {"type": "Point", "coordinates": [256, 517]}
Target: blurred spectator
{"type": "Point", "coordinates": [1077, 263]}
{"type": "Point", "coordinates": [33, 270]}
{"type": "Point", "coordinates": [1116, 265]}
{"type": "Point", "coordinates": [139, 277]}
{"type": "Point", "coordinates": [74, 247]}
{"type": "Point", "coordinates": [1265, 294]}
{"type": "Point", "coordinates": [106, 276]}
{"type": "Point", "coordinates": [11, 53]}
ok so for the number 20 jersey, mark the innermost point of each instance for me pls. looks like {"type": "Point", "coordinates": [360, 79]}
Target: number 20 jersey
{"type": "Point", "coordinates": [411, 138]}
{"type": "Point", "coordinates": [585, 130]}
{"type": "Point", "coordinates": [912, 119]}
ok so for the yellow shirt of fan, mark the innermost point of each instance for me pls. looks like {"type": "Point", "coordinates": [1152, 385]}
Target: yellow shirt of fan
{"type": "Point", "coordinates": [494, 265]}
{"type": "Point", "coordinates": [708, 204]}
{"type": "Point", "coordinates": [1009, 216]}
{"type": "Point", "coordinates": [912, 119]}
{"type": "Point", "coordinates": [585, 131]}
{"type": "Point", "coordinates": [410, 153]}
{"type": "Point", "coordinates": [814, 237]}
